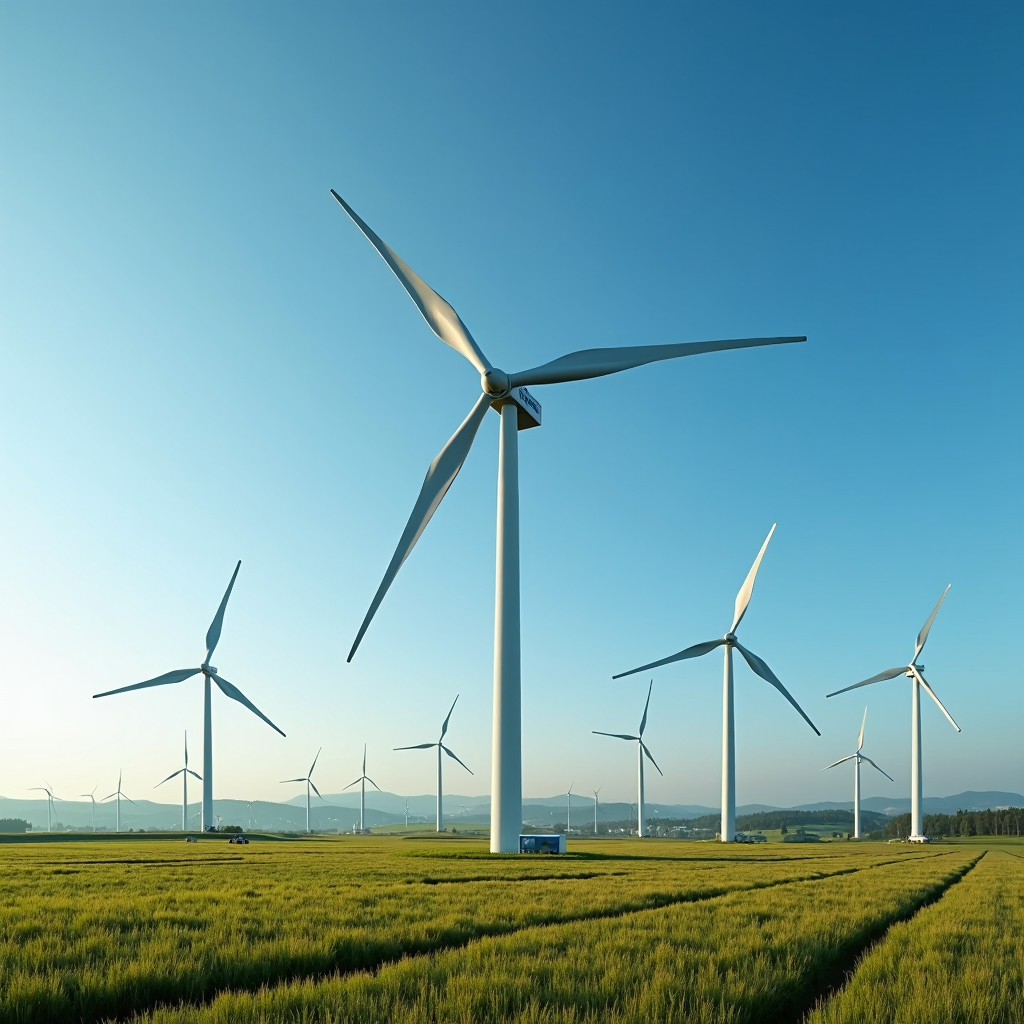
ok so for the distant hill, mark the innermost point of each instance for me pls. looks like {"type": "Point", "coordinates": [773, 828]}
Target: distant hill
{"type": "Point", "coordinates": [340, 810]}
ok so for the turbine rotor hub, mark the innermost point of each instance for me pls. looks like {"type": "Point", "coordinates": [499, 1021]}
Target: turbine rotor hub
{"type": "Point", "coordinates": [207, 670]}
{"type": "Point", "coordinates": [495, 382]}
{"type": "Point", "coordinates": [730, 639]}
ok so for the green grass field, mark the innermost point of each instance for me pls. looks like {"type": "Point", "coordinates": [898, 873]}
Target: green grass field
{"type": "Point", "coordinates": [390, 929]}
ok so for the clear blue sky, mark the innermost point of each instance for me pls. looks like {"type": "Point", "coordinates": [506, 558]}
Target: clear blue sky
{"type": "Point", "coordinates": [203, 360]}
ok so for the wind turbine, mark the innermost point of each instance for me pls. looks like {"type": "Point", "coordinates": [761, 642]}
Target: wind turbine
{"type": "Point", "coordinates": [915, 673]}
{"type": "Point", "coordinates": [308, 780]}
{"type": "Point", "coordinates": [117, 793]}
{"type": "Point", "coordinates": [568, 807]}
{"type": "Point", "coordinates": [519, 410]}
{"type": "Point", "coordinates": [440, 746]}
{"type": "Point", "coordinates": [92, 798]}
{"type": "Point", "coordinates": [857, 757]}
{"type": "Point", "coordinates": [363, 780]}
{"type": "Point", "coordinates": [248, 808]}
{"type": "Point", "coordinates": [50, 810]}
{"type": "Point", "coordinates": [407, 812]}
{"type": "Point", "coordinates": [729, 642]}
{"type": "Point", "coordinates": [596, 791]}
{"type": "Point", "coordinates": [209, 676]}
{"type": "Point", "coordinates": [184, 773]}
{"type": "Point", "coordinates": [641, 749]}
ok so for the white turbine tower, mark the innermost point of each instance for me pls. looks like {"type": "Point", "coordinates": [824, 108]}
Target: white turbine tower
{"type": "Point", "coordinates": [568, 808]}
{"type": "Point", "coordinates": [440, 746]}
{"type": "Point", "coordinates": [308, 780]}
{"type": "Point", "coordinates": [729, 642]}
{"type": "Point", "coordinates": [915, 673]}
{"type": "Point", "coordinates": [209, 676]}
{"type": "Point", "coordinates": [641, 750]}
{"type": "Point", "coordinates": [596, 791]}
{"type": "Point", "coordinates": [857, 757]}
{"type": "Point", "coordinates": [51, 812]}
{"type": "Point", "coordinates": [117, 793]}
{"type": "Point", "coordinates": [92, 798]}
{"type": "Point", "coordinates": [184, 772]}
{"type": "Point", "coordinates": [519, 410]}
{"type": "Point", "coordinates": [363, 780]}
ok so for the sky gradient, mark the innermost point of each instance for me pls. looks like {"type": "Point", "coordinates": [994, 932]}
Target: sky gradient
{"type": "Point", "coordinates": [203, 360]}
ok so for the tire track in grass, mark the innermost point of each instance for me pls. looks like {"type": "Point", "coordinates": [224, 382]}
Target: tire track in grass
{"type": "Point", "coordinates": [841, 972]}
{"type": "Point", "coordinates": [441, 943]}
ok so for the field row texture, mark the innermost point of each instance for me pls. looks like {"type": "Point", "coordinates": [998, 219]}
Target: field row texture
{"type": "Point", "coordinates": [95, 931]}
{"type": "Point", "coordinates": [757, 955]}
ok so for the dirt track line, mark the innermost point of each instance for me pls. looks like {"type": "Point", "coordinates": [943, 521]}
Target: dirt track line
{"type": "Point", "coordinates": [839, 975]}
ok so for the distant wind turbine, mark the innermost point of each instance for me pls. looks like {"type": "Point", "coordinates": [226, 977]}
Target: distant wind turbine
{"type": "Point", "coordinates": [856, 758]}
{"type": "Point", "coordinates": [641, 750]}
{"type": "Point", "coordinates": [308, 780]}
{"type": "Point", "coordinates": [248, 808]}
{"type": "Point", "coordinates": [915, 673]}
{"type": "Point", "coordinates": [729, 641]}
{"type": "Point", "coordinates": [117, 793]}
{"type": "Point", "coordinates": [596, 791]}
{"type": "Point", "coordinates": [440, 746]}
{"type": "Point", "coordinates": [209, 675]}
{"type": "Point", "coordinates": [184, 772]}
{"type": "Point", "coordinates": [568, 807]}
{"type": "Point", "coordinates": [363, 780]}
{"type": "Point", "coordinates": [519, 410]}
{"type": "Point", "coordinates": [92, 798]}
{"type": "Point", "coordinates": [50, 811]}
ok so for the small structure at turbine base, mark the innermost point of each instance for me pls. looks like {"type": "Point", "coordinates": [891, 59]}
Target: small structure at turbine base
{"type": "Point", "coordinates": [554, 843]}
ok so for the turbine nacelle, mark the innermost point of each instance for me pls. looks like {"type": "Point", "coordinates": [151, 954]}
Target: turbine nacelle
{"type": "Point", "coordinates": [208, 670]}
{"type": "Point", "coordinates": [495, 382]}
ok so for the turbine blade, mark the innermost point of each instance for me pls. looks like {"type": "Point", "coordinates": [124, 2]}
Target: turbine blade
{"type": "Point", "coordinates": [169, 777]}
{"type": "Point", "coordinates": [454, 758]}
{"type": "Point", "coordinates": [177, 676]}
{"type": "Point", "coordinates": [195, 774]}
{"type": "Point", "coordinates": [440, 476]}
{"type": "Point", "coordinates": [842, 760]}
{"type": "Point", "coordinates": [111, 797]}
{"type": "Point", "coordinates": [597, 362]}
{"type": "Point", "coordinates": [374, 784]}
{"type": "Point", "coordinates": [364, 758]}
{"type": "Point", "coordinates": [762, 669]}
{"type": "Point", "coordinates": [440, 316]}
{"type": "Point", "coordinates": [213, 633]}
{"type": "Point", "coordinates": [696, 651]}
{"type": "Point", "coordinates": [922, 637]}
{"type": "Point", "coordinates": [125, 796]}
{"type": "Point", "coordinates": [315, 790]}
{"type": "Point", "coordinates": [860, 739]}
{"type": "Point", "coordinates": [643, 721]}
{"type": "Point", "coordinates": [743, 597]}
{"type": "Point", "coordinates": [415, 746]}
{"type": "Point", "coordinates": [650, 757]}
{"type": "Point", "coordinates": [283, 781]}
{"type": "Point", "coordinates": [931, 693]}
{"type": "Point", "coordinates": [889, 673]}
{"type": "Point", "coordinates": [351, 784]}
{"type": "Point", "coordinates": [873, 765]}
{"type": "Point", "coordinates": [444, 728]}
{"type": "Point", "coordinates": [615, 735]}
{"type": "Point", "coordinates": [232, 691]}
{"type": "Point", "coordinates": [313, 765]}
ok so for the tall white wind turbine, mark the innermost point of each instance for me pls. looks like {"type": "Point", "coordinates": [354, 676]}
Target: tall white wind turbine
{"type": "Point", "coordinates": [308, 780]}
{"type": "Point", "coordinates": [596, 791]}
{"type": "Point", "coordinates": [184, 772]}
{"type": "Point", "coordinates": [641, 750]}
{"type": "Point", "coordinates": [363, 780]}
{"type": "Point", "coordinates": [915, 673]}
{"type": "Point", "coordinates": [50, 811]}
{"type": "Point", "coordinates": [729, 642]}
{"type": "Point", "coordinates": [92, 799]}
{"type": "Point", "coordinates": [856, 758]}
{"type": "Point", "coordinates": [568, 808]}
{"type": "Point", "coordinates": [519, 410]}
{"type": "Point", "coordinates": [118, 794]}
{"type": "Point", "coordinates": [440, 746]}
{"type": "Point", "coordinates": [209, 676]}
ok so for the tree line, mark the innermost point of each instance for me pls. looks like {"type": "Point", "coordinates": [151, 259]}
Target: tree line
{"type": "Point", "coordinates": [1007, 821]}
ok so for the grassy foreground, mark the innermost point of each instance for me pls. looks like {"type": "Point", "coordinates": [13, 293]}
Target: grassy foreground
{"type": "Point", "coordinates": [367, 929]}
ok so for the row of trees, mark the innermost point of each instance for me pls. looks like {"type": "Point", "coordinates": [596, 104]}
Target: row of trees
{"type": "Point", "coordinates": [1008, 821]}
